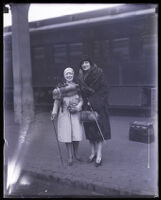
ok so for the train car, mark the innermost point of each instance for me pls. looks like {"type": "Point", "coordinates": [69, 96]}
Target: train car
{"type": "Point", "coordinates": [122, 41]}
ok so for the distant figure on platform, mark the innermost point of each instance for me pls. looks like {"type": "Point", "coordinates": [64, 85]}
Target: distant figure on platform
{"type": "Point", "coordinates": [94, 93]}
{"type": "Point", "coordinates": [67, 105]}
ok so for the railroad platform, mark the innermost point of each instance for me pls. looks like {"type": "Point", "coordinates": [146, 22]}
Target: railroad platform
{"type": "Point", "coordinates": [124, 171]}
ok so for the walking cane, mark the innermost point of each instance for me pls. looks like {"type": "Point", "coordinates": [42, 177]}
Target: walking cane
{"type": "Point", "coordinates": [98, 126]}
{"type": "Point", "coordinates": [60, 155]}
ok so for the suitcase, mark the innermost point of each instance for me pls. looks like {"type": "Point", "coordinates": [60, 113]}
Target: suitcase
{"type": "Point", "coordinates": [141, 132]}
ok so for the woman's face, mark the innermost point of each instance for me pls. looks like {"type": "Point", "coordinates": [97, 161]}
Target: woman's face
{"type": "Point", "coordinates": [69, 76]}
{"type": "Point", "coordinates": [86, 65]}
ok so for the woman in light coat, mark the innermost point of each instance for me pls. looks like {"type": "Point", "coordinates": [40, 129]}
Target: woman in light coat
{"type": "Point", "coordinates": [67, 111]}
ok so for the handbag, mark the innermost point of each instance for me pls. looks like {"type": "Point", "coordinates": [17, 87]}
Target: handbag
{"type": "Point", "coordinates": [88, 116]}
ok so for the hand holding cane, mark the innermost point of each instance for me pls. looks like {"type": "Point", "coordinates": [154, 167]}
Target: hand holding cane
{"type": "Point", "coordinates": [96, 120]}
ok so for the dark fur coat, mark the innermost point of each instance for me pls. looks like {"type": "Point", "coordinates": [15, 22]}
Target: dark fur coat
{"type": "Point", "coordinates": [94, 90]}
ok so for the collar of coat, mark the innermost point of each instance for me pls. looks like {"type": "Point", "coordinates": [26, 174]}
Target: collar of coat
{"type": "Point", "coordinates": [92, 76]}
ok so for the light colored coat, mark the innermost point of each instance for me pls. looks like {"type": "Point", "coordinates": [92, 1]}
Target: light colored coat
{"type": "Point", "coordinates": [69, 127]}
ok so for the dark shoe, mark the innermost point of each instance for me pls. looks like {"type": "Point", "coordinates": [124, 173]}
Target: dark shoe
{"type": "Point", "coordinates": [78, 158]}
{"type": "Point", "coordinates": [91, 159]}
{"type": "Point", "coordinates": [97, 164]}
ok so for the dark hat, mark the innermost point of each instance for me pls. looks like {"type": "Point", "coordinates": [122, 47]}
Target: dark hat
{"type": "Point", "coordinates": [86, 58]}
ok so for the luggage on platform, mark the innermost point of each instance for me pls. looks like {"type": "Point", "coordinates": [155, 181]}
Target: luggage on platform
{"type": "Point", "coordinates": [141, 132]}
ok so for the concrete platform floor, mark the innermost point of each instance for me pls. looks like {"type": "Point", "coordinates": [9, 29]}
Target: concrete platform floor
{"type": "Point", "coordinates": [124, 171]}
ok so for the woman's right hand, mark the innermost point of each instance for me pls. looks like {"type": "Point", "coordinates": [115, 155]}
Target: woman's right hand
{"type": "Point", "coordinates": [53, 116]}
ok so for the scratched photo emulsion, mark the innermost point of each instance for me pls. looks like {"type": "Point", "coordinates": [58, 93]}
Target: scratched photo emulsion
{"type": "Point", "coordinates": [80, 100]}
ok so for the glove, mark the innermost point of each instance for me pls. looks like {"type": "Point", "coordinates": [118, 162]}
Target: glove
{"type": "Point", "coordinates": [56, 93]}
{"type": "Point", "coordinates": [73, 108]}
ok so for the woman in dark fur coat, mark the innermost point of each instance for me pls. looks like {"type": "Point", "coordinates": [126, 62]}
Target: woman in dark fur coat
{"type": "Point", "coordinates": [94, 93]}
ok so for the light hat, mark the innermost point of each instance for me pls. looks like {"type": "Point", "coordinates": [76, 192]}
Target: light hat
{"type": "Point", "coordinates": [68, 69]}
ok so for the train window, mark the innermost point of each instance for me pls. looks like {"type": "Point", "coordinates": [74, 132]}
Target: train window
{"type": "Point", "coordinates": [150, 57]}
{"type": "Point", "coordinates": [119, 53]}
{"type": "Point", "coordinates": [136, 48]}
{"type": "Point", "coordinates": [149, 46]}
{"type": "Point", "coordinates": [133, 73]}
{"type": "Point", "coordinates": [121, 49]}
{"type": "Point", "coordinates": [76, 49]}
{"type": "Point", "coordinates": [75, 54]}
{"type": "Point", "coordinates": [97, 50]}
{"type": "Point", "coordinates": [39, 52]}
{"type": "Point", "coordinates": [140, 69]}
{"type": "Point", "coordinates": [39, 64]}
{"type": "Point", "coordinates": [60, 53]}
{"type": "Point", "coordinates": [106, 51]}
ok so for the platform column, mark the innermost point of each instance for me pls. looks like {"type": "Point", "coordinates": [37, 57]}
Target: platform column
{"type": "Point", "coordinates": [21, 59]}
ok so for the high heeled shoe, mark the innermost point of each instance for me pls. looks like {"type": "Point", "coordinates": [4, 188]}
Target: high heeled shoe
{"type": "Point", "coordinates": [78, 158]}
{"type": "Point", "coordinates": [91, 159]}
{"type": "Point", "coordinates": [97, 164]}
